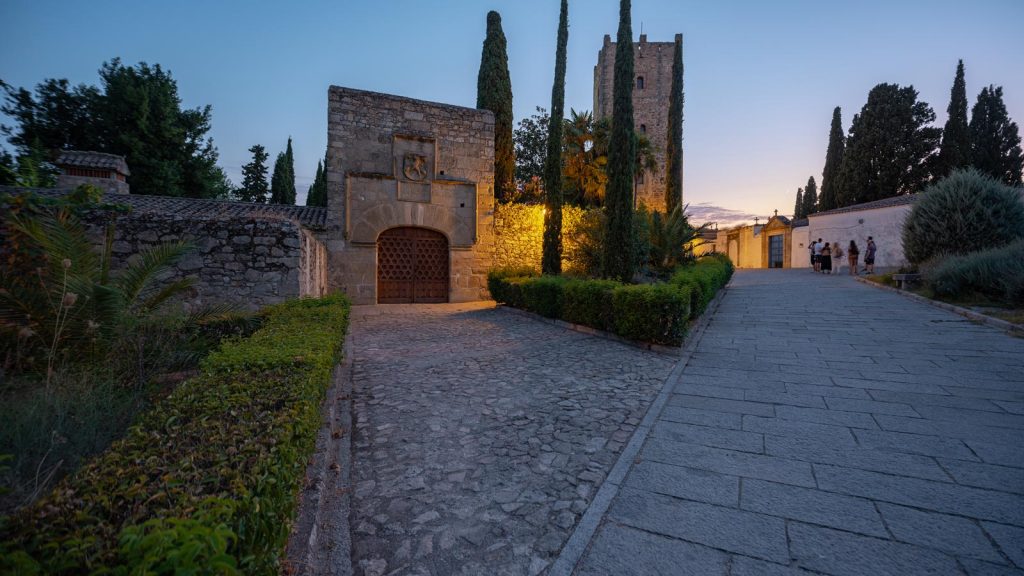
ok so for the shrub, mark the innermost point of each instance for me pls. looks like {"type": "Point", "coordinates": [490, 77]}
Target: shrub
{"type": "Point", "coordinates": [965, 212]}
{"type": "Point", "coordinates": [653, 313]}
{"type": "Point", "coordinates": [589, 302]}
{"type": "Point", "coordinates": [227, 449]}
{"type": "Point", "coordinates": [997, 273]}
{"type": "Point", "coordinates": [703, 278]}
{"type": "Point", "coordinates": [544, 295]}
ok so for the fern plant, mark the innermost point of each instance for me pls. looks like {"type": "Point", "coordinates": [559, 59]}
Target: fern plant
{"type": "Point", "coordinates": [672, 239]}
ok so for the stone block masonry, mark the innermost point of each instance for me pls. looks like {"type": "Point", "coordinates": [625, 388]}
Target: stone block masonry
{"type": "Point", "coordinates": [395, 162]}
{"type": "Point", "coordinates": [251, 262]}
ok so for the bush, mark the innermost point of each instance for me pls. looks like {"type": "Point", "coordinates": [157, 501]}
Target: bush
{"type": "Point", "coordinates": [589, 302]}
{"type": "Point", "coordinates": [210, 475]}
{"type": "Point", "coordinates": [965, 212]}
{"type": "Point", "coordinates": [544, 295]}
{"type": "Point", "coordinates": [653, 313]}
{"type": "Point", "coordinates": [703, 278]}
{"type": "Point", "coordinates": [996, 273]}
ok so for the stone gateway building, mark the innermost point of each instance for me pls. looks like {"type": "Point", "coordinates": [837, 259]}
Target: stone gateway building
{"type": "Point", "coordinates": [651, 90]}
{"type": "Point", "coordinates": [410, 202]}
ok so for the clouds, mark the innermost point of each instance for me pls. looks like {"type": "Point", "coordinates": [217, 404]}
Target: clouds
{"type": "Point", "coordinates": [725, 217]}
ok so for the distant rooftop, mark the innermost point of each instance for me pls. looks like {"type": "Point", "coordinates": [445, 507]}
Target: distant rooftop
{"type": "Point", "coordinates": [199, 208]}
{"type": "Point", "coordinates": [883, 203]}
{"type": "Point", "coordinates": [84, 159]}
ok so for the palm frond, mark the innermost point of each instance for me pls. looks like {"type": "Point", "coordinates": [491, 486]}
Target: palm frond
{"type": "Point", "coordinates": [134, 279]}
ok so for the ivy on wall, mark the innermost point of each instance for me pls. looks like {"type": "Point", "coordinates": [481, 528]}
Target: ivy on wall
{"type": "Point", "coordinates": [519, 235]}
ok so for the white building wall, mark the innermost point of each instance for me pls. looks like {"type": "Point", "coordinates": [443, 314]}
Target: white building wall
{"type": "Point", "coordinates": [884, 224]}
{"type": "Point", "coordinates": [799, 257]}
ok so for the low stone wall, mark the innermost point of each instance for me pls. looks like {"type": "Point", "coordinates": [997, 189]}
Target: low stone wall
{"type": "Point", "coordinates": [249, 262]}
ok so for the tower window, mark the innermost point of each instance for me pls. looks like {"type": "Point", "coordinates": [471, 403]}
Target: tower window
{"type": "Point", "coordinates": [640, 178]}
{"type": "Point", "coordinates": [639, 82]}
{"type": "Point", "coordinates": [643, 128]}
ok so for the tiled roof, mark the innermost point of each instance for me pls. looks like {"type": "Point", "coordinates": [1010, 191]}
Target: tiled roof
{"type": "Point", "coordinates": [199, 208]}
{"type": "Point", "coordinates": [93, 160]}
{"type": "Point", "coordinates": [800, 222]}
{"type": "Point", "coordinates": [883, 203]}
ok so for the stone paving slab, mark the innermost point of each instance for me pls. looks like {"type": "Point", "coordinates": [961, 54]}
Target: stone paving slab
{"type": "Point", "coordinates": [863, 433]}
{"type": "Point", "coordinates": [482, 435]}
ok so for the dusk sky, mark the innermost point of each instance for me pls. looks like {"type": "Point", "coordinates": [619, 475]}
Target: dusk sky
{"type": "Point", "coordinates": [761, 77]}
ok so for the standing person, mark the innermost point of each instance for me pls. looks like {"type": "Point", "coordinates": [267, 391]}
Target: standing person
{"type": "Point", "coordinates": [826, 259]}
{"type": "Point", "coordinates": [869, 256]}
{"type": "Point", "coordinates": [837, 258]}
{"type": "Point", "coordinates": [810, 247]}
{"type": "Point", "coordinates": [852, 253]}
{"type": "Point", "coordinates": [817, 255]}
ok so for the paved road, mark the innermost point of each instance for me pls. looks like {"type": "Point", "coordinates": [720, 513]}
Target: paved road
{"type": "Point", "coordinates": [824, 426]}
{"type": "Point", "coordinates": [481, 435]}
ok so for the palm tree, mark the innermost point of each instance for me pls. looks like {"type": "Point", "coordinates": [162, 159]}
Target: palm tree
{"type": "Point", "coordinates": [645, 161]}
{"type": "Point", "coordinates": [584, 159]}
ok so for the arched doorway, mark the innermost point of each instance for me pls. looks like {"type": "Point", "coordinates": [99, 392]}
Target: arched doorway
{"type": "Point", "coordinates": [412, 266]}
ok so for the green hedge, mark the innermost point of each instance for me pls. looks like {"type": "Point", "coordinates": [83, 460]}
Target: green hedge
{"type": "Point", "coordinates": [705, 278]}
{"type": "Point", "coordinates": [209, 477]}
{"type": "Point", "coordinates": [651, 312]}
{"type": "Point", "coordinates": [654, 313]}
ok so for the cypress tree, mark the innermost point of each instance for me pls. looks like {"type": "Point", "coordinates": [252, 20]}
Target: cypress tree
{"type": "Point", "coordinates": [254, 177]}
{"type": "Point", "coordinates": [551, 262]}
{"type": "Point", "coordinates": [810, 197]}
{"type": "Point", "coordinates": [618, 240]}
{"type": "Point", "coordinates": [317, 195]}
{"type": "Point", "coordinates": [833, 163]}
{"type": "Point", "coordinates": [674, 146]}
{"type": "Point", "coordinates": [494, 93]}
{"type": "Point", "coordinates": [798, 210]}
{"type": "Point", "coordinates": [955, 150]}
{"type": "Point", "coordinates": [282, 182]}
{"type": "Point", "coordinates": [995, 141]}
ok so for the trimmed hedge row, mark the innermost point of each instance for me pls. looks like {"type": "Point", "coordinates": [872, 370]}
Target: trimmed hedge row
{"type": "Point", "coordinates": [207, 480]}
{"type": "Point", "coordinates": [704, 278]}
{"type": "Point", "coordinates": [656, 313]}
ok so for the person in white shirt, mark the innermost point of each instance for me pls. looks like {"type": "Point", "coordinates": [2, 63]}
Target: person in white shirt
{"type": "Point", "coordinates": [837, 257]}
{"type": "Point", "coordinates": [817, 255]}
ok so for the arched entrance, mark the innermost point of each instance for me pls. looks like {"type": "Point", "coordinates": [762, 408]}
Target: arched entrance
{"type": "Point", "coordinates": [412, 266]}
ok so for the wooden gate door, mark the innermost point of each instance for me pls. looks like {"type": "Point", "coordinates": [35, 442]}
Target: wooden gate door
{"type": "Point", "coordinates": [412, 266]}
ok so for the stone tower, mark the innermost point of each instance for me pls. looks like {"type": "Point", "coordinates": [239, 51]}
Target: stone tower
{"type": "Point", "coordinates": [651, 89]}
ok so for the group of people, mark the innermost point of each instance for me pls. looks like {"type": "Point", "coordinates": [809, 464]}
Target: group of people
{"type": "Point", "coordinates": [827, 257]}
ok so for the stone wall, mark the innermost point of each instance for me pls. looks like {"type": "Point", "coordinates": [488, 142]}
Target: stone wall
{"type": "Point", "coordinates": [248, 262]}
{"type": "Point", "coordinates": [653, 62]}
{"type": "Point", "coordinates": [884, 224]}
{"type": "Point", "coordinates": [109, 185]}
{"type": "Point", "coordinates": [519, 236]}
{"type": "Point", "coordinates": [371, 188]}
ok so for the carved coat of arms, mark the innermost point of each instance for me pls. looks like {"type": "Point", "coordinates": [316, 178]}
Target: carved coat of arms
{"type": "Point", "coordinates": [415, 166]}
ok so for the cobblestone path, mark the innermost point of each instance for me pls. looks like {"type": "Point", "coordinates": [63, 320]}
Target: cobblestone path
{"type": "Point", "coordinates": [827, 427]}
{"type": "Point", "coordinates": [481, 435]}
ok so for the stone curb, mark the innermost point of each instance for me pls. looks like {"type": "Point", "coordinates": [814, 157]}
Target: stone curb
{"type": "Point", "coordinates": [579, 541]}
{"type": "Point", "coordinates": [659, 348]}
{"type": "Point", "coordinates": [321, 540]}
{"type": "Point", "coordinates": [1010, 327]}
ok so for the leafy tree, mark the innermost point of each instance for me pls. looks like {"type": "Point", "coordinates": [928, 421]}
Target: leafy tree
{"type": "Point", "coordinates": [494, 93]}
{"type": "Point", "coordinates": [137, 114]}
{"type": "Point", "coordinates": [531, 141]}
{"type": "Point", "coordinates": [798, 210]}
{"type": "Point", "coordinates": [282, 182]}
{"type": "Point", "coordinates": [891, 148]}
{"type": "Point", "coordinates": [955, 151]}
{"type": "Point", "coordinates": [646, 161]}
{"type": "Point", "coordinates": [810, 197]}
{"type": "Point", "coordinates": [674, 146]}
{"type": "Point", "coordinates": [829, 198]}
{"type": "Point", "coordinates": [586, 155]}
{"type": "Point", "coordinates": [8, 172]}
{"type": "Point", "coordinates": [551, 261]}
{"type": "Point", "coordinates": [618, 244]}
{"type": "Point", "coordinates": [317, 195]}
{"type": "Point", "coordinates": [995, 140]}
{"type": "Point", "coordinates": [254, 177]}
